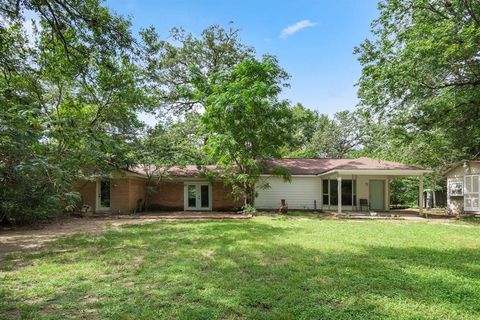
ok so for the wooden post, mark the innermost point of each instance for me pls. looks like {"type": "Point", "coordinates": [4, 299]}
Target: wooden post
{"type": "Point", "coordinates": [339, 179]}
{"type": "Point", "coordinates": [420, 196]}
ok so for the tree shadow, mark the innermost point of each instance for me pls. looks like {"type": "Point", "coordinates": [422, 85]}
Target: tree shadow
{"type": "Point", "coordinates": [231, 269]}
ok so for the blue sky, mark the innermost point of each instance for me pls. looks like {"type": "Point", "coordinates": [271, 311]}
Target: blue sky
{"type": "Point", "coordinates": [317, 49]}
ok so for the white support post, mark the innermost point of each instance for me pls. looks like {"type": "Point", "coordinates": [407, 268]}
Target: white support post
{"type": "Point", "coordinates": [339, 179]}
{"type": "Point", "coordinates": [420, 195]}
{"type": "Point", "coordinates": [321, 194]}
{"type": "Point", "coordinates": [387, 194]}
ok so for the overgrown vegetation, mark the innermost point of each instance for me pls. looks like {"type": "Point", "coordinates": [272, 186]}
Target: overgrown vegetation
{"type": "Point", "coordinates": [72, 89]}
{"type": "Point", "coordinates": [420, 85]}
{"type": "Point", "coordinates": [265, 268]}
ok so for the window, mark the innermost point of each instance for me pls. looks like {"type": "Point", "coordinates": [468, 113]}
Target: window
{"type": "Point", "coordinates": [455, 188]}
{"type": "Point", "coordinates": [325, 191]}
{"type": "Point", "coordinates": [205, 197]}
{"type": "Point", "coordinates": [472, 193]}
{"type": "Point", "coordinates": [334, 192]}
{"type": "Point", "coordinates": [347, 192]}
{"type": "Point", "coordinates": [105, 193]}
{"type": "Point", "coordinates": [354, 191]}
{"type": "Point", "coordinates": [330, 192]}
{"type": "Point", "coordinates": [192, 195]}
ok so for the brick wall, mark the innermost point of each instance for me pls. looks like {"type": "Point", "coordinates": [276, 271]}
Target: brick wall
{"type": "Point", "coordinates": [222, 199]}
{"type": "Point", "coordinates": [125, 193]}
{"type": "Point", "coordinates": [169, 196]}
{"type": "Point", "coordinates": [88, 192]}
{"type": "Point", "coordinates": [137, 192]}
{"type": "Point", "coordinates": [120, 196]}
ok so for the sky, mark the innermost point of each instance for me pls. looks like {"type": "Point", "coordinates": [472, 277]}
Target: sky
{"type": "Point", "coordinates": [313, 39]}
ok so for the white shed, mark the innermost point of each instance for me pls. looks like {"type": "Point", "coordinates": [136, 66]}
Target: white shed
{"type": "Point", "coordinates": [463, 183]}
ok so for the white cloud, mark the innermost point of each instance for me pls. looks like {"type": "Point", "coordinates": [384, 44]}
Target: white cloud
{"type": "Point", "coordinates": [288, 31]}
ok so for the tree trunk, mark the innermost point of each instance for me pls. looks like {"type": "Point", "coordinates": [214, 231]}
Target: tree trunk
{"type": "Point", "coordinates": [249, 194]}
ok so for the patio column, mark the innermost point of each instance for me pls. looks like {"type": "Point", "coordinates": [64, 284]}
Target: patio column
{"type": "Point", "coordinates": [420, 195]}
{"type": "Point", "coordinates": [339, 179]}
{"type": "Point", "coordinates": [387, 194]}
{"type": "Point", "coordinates": [321, 194]}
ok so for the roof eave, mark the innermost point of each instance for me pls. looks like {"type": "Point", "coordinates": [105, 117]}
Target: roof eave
{"type": "Point", "coordinates": [386, 172]}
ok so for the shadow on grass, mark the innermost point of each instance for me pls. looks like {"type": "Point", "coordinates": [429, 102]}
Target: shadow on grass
{"type": "Point", "coordinates": [472, 220]}
{"type": "Point", "coordinates": [207, 270]}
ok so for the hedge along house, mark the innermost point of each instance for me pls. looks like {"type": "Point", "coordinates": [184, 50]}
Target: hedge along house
{"type": "Point", "coordinates": [463, 184]}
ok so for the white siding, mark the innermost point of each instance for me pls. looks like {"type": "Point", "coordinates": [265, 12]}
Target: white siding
{"type": "Point", "coordinates": [299, 194]}
{"type": "Point", "coordinates": [456, 204]}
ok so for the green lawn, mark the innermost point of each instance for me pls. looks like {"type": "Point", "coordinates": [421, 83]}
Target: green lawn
{"type": "Point", "coordinates": [264, 268]}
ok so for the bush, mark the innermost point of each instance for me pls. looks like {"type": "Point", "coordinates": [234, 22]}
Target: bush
{"type": "Point", "coordinates": [33, 190]}
{"type": "Point", "coordinates": [248, 209]}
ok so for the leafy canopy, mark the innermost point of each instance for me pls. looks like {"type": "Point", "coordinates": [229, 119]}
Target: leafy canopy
{"type": "Point", "coordinates": [420, 84]}
{"type": "Point", "coordinates": [244, 120]}
{"type": "Point", "coordinates": [70, 92]}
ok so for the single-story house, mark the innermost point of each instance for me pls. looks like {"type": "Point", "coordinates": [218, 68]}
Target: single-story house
{"type": "Point", "coordinates": [316, 184]}
{"type": "Point", "coordinates": [463, 184]}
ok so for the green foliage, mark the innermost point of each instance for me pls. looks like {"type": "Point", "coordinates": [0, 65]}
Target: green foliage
{"type": "Point", "coordinates": [168, 63]}
{"type": "Point", "coordinates": [317, 135]}
{"type": "Point", "coordinates": [70, 91]}
{"type": "Point", "coordinates": [420, 83]}
{"type": "Point", "coordinates": [404, 192]}
{"type": "Point", "coordinates": [249, 209]}
{"type": "Point", "coordinates": [337, 137]}
{"type": "Point", "coordinates": [169, 143]}
{"type": "Point", "coordinates": [244, 120]}
{"type": "Point", "coordinates": [305, 123]}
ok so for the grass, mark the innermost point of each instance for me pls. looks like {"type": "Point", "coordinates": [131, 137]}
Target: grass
{"type": "Point", "coordinates": [265, 268]}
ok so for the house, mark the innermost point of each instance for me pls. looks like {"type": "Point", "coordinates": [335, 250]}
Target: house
{"type": "Point", "coordinates": [328, 184]}
{"type": "Point", "coordinates": [463, 184]}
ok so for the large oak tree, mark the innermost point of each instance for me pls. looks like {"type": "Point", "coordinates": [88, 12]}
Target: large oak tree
{"type": "Point", "coordinates": [420, 85]}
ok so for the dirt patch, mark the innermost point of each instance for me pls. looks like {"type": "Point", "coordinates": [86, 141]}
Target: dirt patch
{"type": "Point", "coordinates": [32, 238]}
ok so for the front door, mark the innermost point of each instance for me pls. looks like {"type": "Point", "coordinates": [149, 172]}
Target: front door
{"type": "Point", "coordinates": [103, 195]}
{"type": "Point", "coordinates": [472, 193]}
{"type": "Point", "coordinates": [377, 194]}
{"type": "Point", "coordinates": [197, 196]}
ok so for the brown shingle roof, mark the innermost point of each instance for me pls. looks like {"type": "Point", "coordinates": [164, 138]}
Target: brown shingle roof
{"type": "Point", "coordinates": [299, 166]}
{"type": "Point", "coordinates": [189, 171]}
{"type": "Point", "coordinates": [296, 166]}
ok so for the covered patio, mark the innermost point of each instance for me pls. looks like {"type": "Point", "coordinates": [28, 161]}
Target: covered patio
{"type": "Point", "coordinates": [363, 189]}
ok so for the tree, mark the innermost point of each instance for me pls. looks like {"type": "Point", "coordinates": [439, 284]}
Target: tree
{"type": "Point", "coordinates": [244, 120]}
{"type": "Point", "coordinates": [169, 143]}
{"type": "Point", "coordinates": [169, 62]}
{"type": "Point", "coordinates": [305, 123]}
{"type": "Point", "coordinates": [421, 79]}
{"type": "Point", "coordinates": [70, 91]}
{"type": "Point", "coordinates": [337, 137]}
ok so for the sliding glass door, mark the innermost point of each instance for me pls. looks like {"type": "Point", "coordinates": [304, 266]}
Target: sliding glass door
{"type": "Point", "coordinates": [330, 192]}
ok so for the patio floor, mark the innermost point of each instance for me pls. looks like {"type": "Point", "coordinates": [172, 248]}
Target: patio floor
{"type": "Point", "coordinates": [397, 214]}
